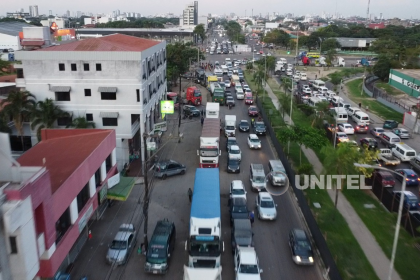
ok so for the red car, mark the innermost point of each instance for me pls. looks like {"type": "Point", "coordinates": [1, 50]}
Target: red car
{"type": "Point", "coordinates": [252, 111]}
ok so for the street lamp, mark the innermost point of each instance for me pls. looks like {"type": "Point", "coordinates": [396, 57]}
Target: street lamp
{"type": "Point", "coordinates": [320, 46]}
{"type": "Point", "coordinates": [400, 206]}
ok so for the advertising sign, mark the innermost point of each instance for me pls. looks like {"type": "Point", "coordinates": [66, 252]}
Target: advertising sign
{"type": "Point", "coordinates": [167, 106]}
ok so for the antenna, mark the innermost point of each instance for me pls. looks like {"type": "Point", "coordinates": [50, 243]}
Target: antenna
{"type": "Point", "coordinates": [367, 13]}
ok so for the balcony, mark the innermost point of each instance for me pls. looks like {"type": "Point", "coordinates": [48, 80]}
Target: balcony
{"type": "Point", "coordinates": [135, 127]}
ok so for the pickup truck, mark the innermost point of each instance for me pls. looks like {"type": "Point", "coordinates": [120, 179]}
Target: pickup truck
{"type": "Point", "coordinates": [385, 155]}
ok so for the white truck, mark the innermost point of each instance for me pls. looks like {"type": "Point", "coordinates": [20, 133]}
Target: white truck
{"type": "Point", "coordinates": [192, 273]}
{"type": "Point", "coordinates": [230, 125]}
{"type": "Point", "coordinates": [340, 62]}
{"type": "Point", "coordinates": [212, 111]}
{"type": "Point", "coordinates": [279, 68]}
{"type": "Point", "coordinates": [386, 156]}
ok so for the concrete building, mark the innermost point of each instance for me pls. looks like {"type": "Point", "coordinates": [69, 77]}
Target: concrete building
{"type": "Point", "coordinates": [115, 81]}
{"type": "Point", "coordinates": [51, 194]}
{"type": "Point", "coordinates": [204, 21]}
{"type": "Point", "coordinates": [355, 43]}
{"type": "Point", "coordinates": [406, 80]}
{"type": "Point", "coordinates": [33, 11]}
{"type": "Point", "coordinates": [190, 14]}
{"type": "Point", "coordinates": [60, 22]}
{"type": "Point", "coordinates": [9, 34]}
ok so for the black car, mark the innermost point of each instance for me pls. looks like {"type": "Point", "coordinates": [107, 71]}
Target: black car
{"type": "Point", "coordinates": [259, 128]}
{"type": "Point", "coordinates": [300, 247]}
{"type": "Point", "coordinates": [370, 143]}
{"type": "Point", "coordinates": [244, 126]}
{"type": "Point", "coordinates": [191, 111]}
{"type": "Point", "coordinates": [233, 165]}
{"type": "Point", "coordinates": [242, 234]}
{"type": "Point", "coordinates": [238, 209]}
{"type": "Point", "coordinates": [230, 141]}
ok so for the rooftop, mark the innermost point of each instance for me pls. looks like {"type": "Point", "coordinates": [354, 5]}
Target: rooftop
{"type": "Point", "coordinates": [415, 73]}
{"type": "Point", "coordinates": [13, 28]}
{"type": "Point", "coordinates": [109, 43]}
{"type": "Point", "coordinates": [62, 151]}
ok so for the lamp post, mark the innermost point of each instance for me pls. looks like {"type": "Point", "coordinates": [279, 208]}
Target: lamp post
{"type": "Point", "coordinates": [320, 46]}
{"type": "Point", "coordinates": [291, 111]}
{"type": "Point", "coordinates": [400, 207]}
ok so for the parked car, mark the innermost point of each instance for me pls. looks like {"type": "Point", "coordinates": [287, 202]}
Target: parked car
{"type": "Point", "coordinates": [376, 131]}
{"type": "Point", "coordinates": [390, 124]}
{"type": "Point", "coordinates": [254, 142]}
{"type": "Point", "coordinates": [411, 201]}
{"type": "Point", "coordinates": [362, 128]}
{"type": "Point", "coordinates": [167, 168]}
{"type": "Point", "coordinates": [301, 248]}
{"type": "Point", "coordinates": [370, 143]}
{"type": "Point", "coordinates": [346, 128]}
{"type": "Point", "coordinates": [244, 126]}
{"type": "Point", "coordinates": [252, 111]}
{"type": "Point", "coordinates": [122, 245]}
{"type": "Point", "coordinates": [265, 206]}
{"type": "Point", "coordinates": [401, 132]}
{"type": "Point", "coordinates": [412, 177]}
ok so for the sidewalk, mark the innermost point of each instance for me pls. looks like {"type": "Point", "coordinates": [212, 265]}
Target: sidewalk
{"type": "Point", "coordinates": [370, 247]}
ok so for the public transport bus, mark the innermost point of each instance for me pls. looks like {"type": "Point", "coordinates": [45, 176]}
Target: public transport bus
{"type": "Point", "coordinates": [204, 244]}
{"type": "Point", "coordinates": [313, 55]}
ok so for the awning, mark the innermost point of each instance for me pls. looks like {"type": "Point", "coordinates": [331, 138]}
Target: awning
{"type": "Point", "coordinates": [122, 190]}
{"type": "Point", "coordinates": [61, 89]}
{"type": "Point", "coordinates": [39, 42]}
{"type": "Point", "coordinates": [108, 114]}
{"type": "Point", "coordinates": [107, 89]}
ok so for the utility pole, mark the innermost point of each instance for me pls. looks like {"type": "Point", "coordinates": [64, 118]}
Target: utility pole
{"type": "Point", "coordinates": [4, 258]}
{"type": "Point", "coordinates": [146, 195]}
{"type": "Point", "coordinates": [179, 110]}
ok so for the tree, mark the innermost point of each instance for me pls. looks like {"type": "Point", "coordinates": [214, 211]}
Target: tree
{"type": "Point", "coordinates": [303, 41]}
{"type": "Point", "coordinates": [259, 77]}
{"type": "Point", "coordinates": [330, 44]}
{"type": "Point", "coordinates": [382, 67]}
{"type": "Point", "coordinates": [321, 111]}
{"type": "Point", "coordinates": [178, 59]}
{"type": "Point", "coordinates": [44, 115]}
{"type": "Point", "coordinates": [81, 122]}
{"type": "Point", "coordinates": [286, 83]}
{"type": "Point", "coordinates": [199, 30]}
{"type": "Point", "coordinates": [331, 56]}
{"type": "Point", "coordinates": [4, 66]}
{"type": "Point", "coordinates": [18, 105]}
{"type": "Point", "coordinates": [4, 127]}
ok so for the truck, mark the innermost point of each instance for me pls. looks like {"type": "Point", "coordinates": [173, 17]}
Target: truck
{"type": "Point", "coordinates": [191, 273]}
{"type": "Point", "coordinates": [362, 62]}
{"type": "Point", "coordinates": [219, 96]}
{"type": "Point", "coordinates": [211, 80]}
{"type": "Point", "coordinates": [386, 156]}
{"type": "Point", "coordinates": [192, 96]}
{"type": "Point", "coordinates": [213, 87]}
{"type": "Point", "coordinates": [230, 125]}
{"type": "Point", "coordinates": [212, 110]}
{"type": "Point", "coordinates": [279, 68]}
{"type": "Point", "coordinates": [209, 151]}
{"type": "Point", "coordinates": [340, 62]}
{"type": "Point", "coordinates": [205, 245]}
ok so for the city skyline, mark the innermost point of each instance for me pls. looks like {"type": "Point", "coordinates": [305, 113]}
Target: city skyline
{"type": "Point", "coordinates": [404, 9]}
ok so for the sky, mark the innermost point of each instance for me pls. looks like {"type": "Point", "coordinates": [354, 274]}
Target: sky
{"type": "Point", "coordinates": [404, 9]}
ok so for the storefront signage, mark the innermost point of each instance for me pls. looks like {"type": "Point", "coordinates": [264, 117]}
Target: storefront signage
{"type": "Point", "coordinates": [162, 126]}
{"type": "Point", "coordinates": [85, 218]}
{"type": "Point", "coordinates": [114, 180]}
{"type": "Point", "coordinates": [411, 85]}
{"type": "Point", "coordinates": [167, 106]}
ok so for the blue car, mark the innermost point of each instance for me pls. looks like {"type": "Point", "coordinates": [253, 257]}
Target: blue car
{"type": "Point", "coordinates": [411, 201]}
{"type": "Point", "coordinates": [412, 177]}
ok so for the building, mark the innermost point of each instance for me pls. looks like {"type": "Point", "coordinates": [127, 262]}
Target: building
{"type": "Point", "coordinates": [33, 11]}
{"type": "Point", "coordinates": [19, 15]}
{"type": "Point", "coordinates": [115, 81]}
{"type": "Point", "coordinates": [355, 43]}
{"type": "Point", "coordinates": [376, 25]}
{"type": "Point", "coordinates": [406, 80]}
{"type": "Point", "coordinates": [204, 21]}
{"type": "Point", "coordinates": [60, 22]}
{"type": "Point", "coordinates": [35, 37]}
{"type": "Point", "coordinates": [51, 194]}
{"type": "Point", "coordinates": [9, 34]}
{"type": "Point", "coordinates": [190, 14]}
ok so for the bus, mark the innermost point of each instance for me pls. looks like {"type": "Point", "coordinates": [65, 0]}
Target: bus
{"type": "Point", "coordinates": [204, 244]}
{"type": "Point", "coordinates": [313, 55]}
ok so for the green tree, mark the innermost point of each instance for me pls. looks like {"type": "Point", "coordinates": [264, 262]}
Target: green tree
{"type": "Point", "coordinates": [330, 44]}
{"type": "Point", "coordinates": [303, 41]}
{"type": "Point", "coordinates": [286, 84]}
{"type": "Point", "coordinates": [199, 30]}
{"type": "Point", "coordinates": [259, 77]}
{"type": "Point", "coordinates": [382, 67]}
{"type": "Point", "coordinates": [44, 115]}
{"type": "Point", "coordinates": [4, 127]}
{"type": "Point", "coordinates": [178, 58]}
{"type": "Point", "coordinates": [321, 110]}
{"type": "Point", "coordinates": [81, 122]}
{"type": "Point", "coordinates": [18, 105]}
{"type": "Point", "coordinates": [4, 66]}
{"type": "Point", "coordinates": [331, 56]}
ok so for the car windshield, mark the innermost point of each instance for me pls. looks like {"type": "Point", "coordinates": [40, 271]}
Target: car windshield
{"type": "Point", "coordinates": [197, 93]}
{"type": "Point", "coordinates": [204, 247]}
{"type": "Point", "coordinates": [254, 140]}
{"type": "Point", "coordinates": [209, 152]}
{"type": "Point", "coordinates": [235, 152]}
{"type": "Point", "coordinates": [411, 199]}
{"type": "Point", "coordinates": [238, 191]}
{"type": "Point", "coordinates": [119, 245]}
{"type": "Point", "coordinates": [252, 109]}
{"type": "Point", "coordinates": [260, 125]}
{"type": "Point", "coordinates": [248, 269]}
{"type": "Point", "coordinates": [259, 179]}
{"type": "Point", "coordinates": [230, 127]}
{"type": "Point", "coordinates": [249, 97]}
{"type": "Point", "coordinates": [156, 254]}
{"type": "Point", "coordinates": [244, 124]}
{"type": "Point", "coordinates": [267, 204]}
{"type": "Point", "coordinates": [239, 209]}
{"type": "Point", "coordinates": [411, 154]}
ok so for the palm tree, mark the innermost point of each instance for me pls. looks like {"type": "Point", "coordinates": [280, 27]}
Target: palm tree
{"type": "Point", "coordinates": [331, 56]}
{"type": "Point", "coordinates": [18, 105]}
{"type": "Point", "coordinates": [3, 123]}
{"type": "Point", "coordinates": [44, 115]}
{"type": "Point", "coordinates": [81, 122]}
{"type": "Point", "coordinates": [286, 83]}
{"type": "Point", "coordinates": [258, 78]}
{"type": "Point", "coordinates": [322, 109]}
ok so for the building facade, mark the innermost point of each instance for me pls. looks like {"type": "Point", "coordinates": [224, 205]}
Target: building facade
{"type": "Point", "coordinates": [190, 14]}
{"type": "Point", "coordinates": [407, 80]}
{"type": "Point", "coordinates": [114, 81]}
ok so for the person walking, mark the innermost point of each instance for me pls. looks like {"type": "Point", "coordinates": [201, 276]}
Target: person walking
{"type": "Point", "coordinates": [251, 217]}
{"type": "Point", "coordinates": [360, 105]}
{"type": "Point", "coordinates": [202, 120]}
{"type": "Point", "coordinates": [190, 193]}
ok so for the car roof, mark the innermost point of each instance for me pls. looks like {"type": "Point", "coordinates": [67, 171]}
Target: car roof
{"type": "Point", "coordinates": [407, 171]}
{"type": "Point", "coordinates": [238, 201]}
{"type": "Point", "coordinates": [299, 234]}
{"type": "Point", "coordinates": [244, 121]}
{"type": "Point", "coordinates": [341, 133]}
{"type": "Point", "coordinates": [253, 136]}
{"type": "Point", "coordinates": [265, 196]}
{"type": "Point", "coordinates": [231, 138]}
{"type": "Point", "coordinates": [248, 255]}
{"type": "Point", "coordinates": [234, 147]}
{"type": "Point", "coordinates": [406, 193]}
{"type": "Point", "coordinates": [237, 184]}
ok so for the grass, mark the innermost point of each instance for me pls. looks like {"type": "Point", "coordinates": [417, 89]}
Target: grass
{"type": "Point", "coordinates": [388, 88]}
{"type": "Point", "coordinates": [381, 224]}
{"type": "Point", "coordinates": [374, 106]}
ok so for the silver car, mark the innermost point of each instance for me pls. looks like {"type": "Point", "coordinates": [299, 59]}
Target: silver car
{"type": "Point", "coordinates": [122, 245]}
{"type": "Point", "coordinates": [265, 206]}
{"type": "Point", "coordinates": [377, 131]}
{"type": "Point", "coordinates": [235, 152]}
{"type": "Point", "coordinates": [167, 168]}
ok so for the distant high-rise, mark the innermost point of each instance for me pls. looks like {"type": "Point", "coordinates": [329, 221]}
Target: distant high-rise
{"type": "Point", "coordinates": [195, 12]}
{"type": "Point", "coordinates": [31, 11]}
{"type": "Point", "coordinates": [50, 12]}
{"type": "Point", "coordinates": [68, 13]}
{"type": "Point", "coordinates": [190, 14]}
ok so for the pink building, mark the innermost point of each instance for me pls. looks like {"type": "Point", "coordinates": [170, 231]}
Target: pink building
{"type": "Point", "coordinates": [64, 180]}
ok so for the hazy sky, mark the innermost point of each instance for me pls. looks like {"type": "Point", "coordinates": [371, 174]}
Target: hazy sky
{"type": "Point", "coordinates": [389, 8]}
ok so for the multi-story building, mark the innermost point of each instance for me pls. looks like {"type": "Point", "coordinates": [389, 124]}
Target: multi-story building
{"type": "Point", "coordinates": [114, 81]}
{"type": "Point", "coordinates": [190, 14]}
{"type": "Point", "coordinates": [51, 192]}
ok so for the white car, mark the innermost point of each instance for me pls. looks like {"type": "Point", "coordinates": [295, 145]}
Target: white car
{"type": "Point", "coordinates": [235, 152]}
{"type": "Point", "coordinates": [237, 189]}
{"type": "Point", "coordinates": [227, 83]}
{"type": "Point", "coordinates": [341, 137]}
{"type": "Point", "coordinates": [296, 77]}
{"type": "Point", "coordinates": [306, 86]}
{"type": "Point", "coordinates": [245, 86]}
{"type": "Point", "coordinates": [377, 131]}
{"type": "Point", "coordinates": [346, 128]}
{"type": "Point", "coordinates": [254, 142]}
{"type": "Point", "coordinates": [297, 72]}
{"type": "Point", "coordinates": [246, 264]}
{"type": "Point", "coordinates": [290, 66]}
{"type": "Point", "coordinates": [266, 208]}
{"type": "Point", "coordinates": [307, 91]}
{"type": "Point", "coordinates": [289, 72]}
{"type": "Point", "coordinates": [303, 76]}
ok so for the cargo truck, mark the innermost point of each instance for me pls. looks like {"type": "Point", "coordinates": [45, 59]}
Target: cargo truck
{"type": "Point", "coordinates": [230, 125]}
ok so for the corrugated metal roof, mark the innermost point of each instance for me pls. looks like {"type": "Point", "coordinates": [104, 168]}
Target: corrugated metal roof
{"type": "Point", "coordinates": [32, 42]}
{"type": "Point", "coordinates": [12, 28]}
{"type": "Point", "coordinates": [109, 114]}
{"type": "Point", "coordinates": [206, 194]}
{"type": "Point", "coordinates": [115, 42]}
{"type": "Point", "coordinates": [107, 89]}
{"type": "Point", "coordinates": [211, 128]}
{"type": "Point", "coordinates": [60, 88]}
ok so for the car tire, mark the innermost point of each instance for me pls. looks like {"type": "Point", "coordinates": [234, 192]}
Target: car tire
{"type": "Point", "coordinates": [182, 172]}
{"type": "Point", "coordinates": [259, 216]}
{"type": "Point", "coordinates": [164, 177]}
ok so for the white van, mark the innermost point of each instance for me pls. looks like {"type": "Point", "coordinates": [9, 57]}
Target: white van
{"type": "Point", "coordinates": [403, 152]}
{"type": "Point", "coordinates": [389, 139]}
{"type": "Point", "coordinates": [312, 101]}
{"type": "Point", "coordinates": [323, 90]}
{"type": "Point", "coordinates": [330, 94]}
{"type": "Point", "coordinates": [341, 115]}
{"type": "Point", "coordinates": [282, 60]}
{"type": "Point", "coordinates": [303, 76]}
{"type": "Point", "coordinates": [318, 83]}
{"type": "Point", "coordinates": [352, 110]}
{"type": "Point", "coordinates": [361, 118]}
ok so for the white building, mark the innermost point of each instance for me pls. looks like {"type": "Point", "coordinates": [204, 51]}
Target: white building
{"type": "Point", "coordinates": [61, 22]}
{"type": "Point", "coordinates": [190, 14]}
{"type": "Point", "coordinates": [9, 34]}
{"type": "Point", "coordinates": [115, 81]}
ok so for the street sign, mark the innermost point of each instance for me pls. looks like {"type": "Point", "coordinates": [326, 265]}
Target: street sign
{"type": "Point", "coordinates": [151, 146]}
{"type": "Point", "coordinates": [162, 126]}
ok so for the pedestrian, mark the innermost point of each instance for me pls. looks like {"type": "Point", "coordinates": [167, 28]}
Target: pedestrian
{"type": "Point", "coordinates": [190, 193]}
{"type": "Point", "coordinates": [202, 112]}
{"type": "Point", "coordinates": [202, 120]}
{"type": "Point", "coordinates": [360, 105]}
{"type": "Point", "coordinates": [316, 76]}
{"type": "Point", "coordinates": [251, 217]}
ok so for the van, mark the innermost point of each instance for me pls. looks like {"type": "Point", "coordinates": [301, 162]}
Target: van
{"type": "Point", "coordinates": [361, 118]}
{"type": "Point", "coordinates": [352, 110]}
{"type": "Point", "coordinates": [257, 177]}
{"type": "Point", "coordinates": [389, 139]}
{"type": "Point", "coordinates": [340, 115]}
{"type": "Point", "coordinates": [318, 83]}
{"type": "Point", "coordinates": [234, 80]}
{"type": "Point", "coordinates": [403, 152]}
{"type": "Point", "coordinates": [335, 100]}
{"type": "Point", "coordinates": [323, 90]}
{"type": "Point", "coordinates": [313, 101]}
{"type": "Point", "coordinates": [415, 163]}
{"type": "Point", "coordinates": [160, 247]}
{"type": "Point", "coordinates": [344, 105]}
{"type": "Point", "coordinates": [277, 176]}
{"type": "Point", "coordinates": [282, 61]}
{"type": "Point", "coordinates": [330, 94]}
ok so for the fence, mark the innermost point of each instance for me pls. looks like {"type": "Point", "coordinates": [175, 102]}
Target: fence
{"type": "Point", "coordinates": [319, 240]}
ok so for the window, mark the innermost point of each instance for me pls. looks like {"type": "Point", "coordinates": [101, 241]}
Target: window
{"type": "Point", "coordinates": [61, 67]}
{"type": "Point", "coordinates": [88, 92]}
{"type": "Point", "coordinates": [13, 245]}
{"type": "Point", "coordinates": [62, 225]}
{"type": "Point", "coordinates": [62, 96]}
{"type": "Point", "coordinates": [109, 121]}
{"type": "Point", "coordinates": [108, 163]}
{"type": "Point", "coordinates": [138, 95]}
{"type": "Point", "coordinates": [86, 66]}
{"type": "Point", "coordinates": [89, 117]}
{"type": "Point", "coordinates": [98, 177]}
{"type": "Point", "coordinates": [73, 67]}
{"type": "Point", "coordinates": [108, 95]}
{"type": "Point", "coordinates": [19, 73]}
{"type": "Point", "coordinates": [150, 91]}
{"type": "Point", "coordinates": [98, 67]}
{"type": "Point", "coordinates": [64, 121]}
{"type": "Point", "coordinates": [83, 197]}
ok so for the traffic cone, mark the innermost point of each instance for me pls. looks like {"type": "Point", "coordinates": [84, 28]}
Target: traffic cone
{"type": "Point", "coordinates": [90, 235]}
